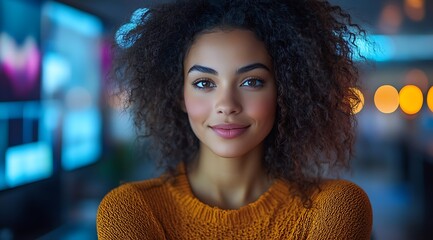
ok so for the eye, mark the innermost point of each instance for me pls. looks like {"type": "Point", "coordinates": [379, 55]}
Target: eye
{"type": "Point", "coordinates": [253, 83]}
{"type": "Point", "coordinates": [203, 84]}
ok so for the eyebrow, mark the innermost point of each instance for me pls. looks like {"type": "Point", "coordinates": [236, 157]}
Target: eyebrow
{"type": "Point", "coordinates": [202, 69]}
{"type": "Point", "coordinates": [241, 70]}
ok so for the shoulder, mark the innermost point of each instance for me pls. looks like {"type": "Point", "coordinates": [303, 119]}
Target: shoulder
{"type": "Point", "coordinates": [342, 211]}
{"type": "Point", "coordinates": [336, 191]}
{"type": "Point", "coordinates": [138, 187]}
{"type": "Point", "coordinates": [133, 193]}
{"type": "Point", "coordinates": [125, 213]}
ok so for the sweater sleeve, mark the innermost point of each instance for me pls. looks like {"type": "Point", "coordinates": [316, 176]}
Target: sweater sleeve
{"type": "Point", "coordinates": [343, 211]}
{"type": "Point", "coordinates": [124, 214]}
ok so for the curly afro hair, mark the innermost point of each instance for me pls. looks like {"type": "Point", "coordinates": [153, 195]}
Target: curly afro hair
{"type": "Point", "coordinates": [312, 45]}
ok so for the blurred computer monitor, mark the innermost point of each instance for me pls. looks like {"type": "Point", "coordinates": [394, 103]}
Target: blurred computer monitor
{"type": "Point", "coordinates": [50, 114]}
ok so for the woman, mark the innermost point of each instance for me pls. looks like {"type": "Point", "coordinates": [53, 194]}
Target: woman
{"type": "Point", "coordinates": [249, 102]}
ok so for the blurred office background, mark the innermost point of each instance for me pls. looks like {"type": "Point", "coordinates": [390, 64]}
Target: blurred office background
{"type": "Point", "coordinates": [65, 142]}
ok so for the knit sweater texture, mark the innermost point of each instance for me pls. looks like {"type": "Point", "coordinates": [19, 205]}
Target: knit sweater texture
{"type": "Point", "coordinates": [161, 209]}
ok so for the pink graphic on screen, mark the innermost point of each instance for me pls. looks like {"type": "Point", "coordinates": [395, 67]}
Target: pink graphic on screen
{"type": "Point", "coordinates": [21, 64]}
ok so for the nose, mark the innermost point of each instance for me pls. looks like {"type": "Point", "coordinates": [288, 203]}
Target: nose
{"type": "Point", "coordinates": [227, 102]}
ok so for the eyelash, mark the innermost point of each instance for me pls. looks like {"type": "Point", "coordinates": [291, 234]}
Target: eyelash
{"type": "Point", "coordinates": [258, 83]}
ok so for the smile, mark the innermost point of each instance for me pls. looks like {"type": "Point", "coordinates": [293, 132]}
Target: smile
{"type": "Point", "coordinates": [229, 131]}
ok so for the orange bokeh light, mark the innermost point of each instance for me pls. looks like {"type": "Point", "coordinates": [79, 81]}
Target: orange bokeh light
{"type": "Point", "coordinates": [386, 99]}
{"type": "Point", "coordinates": [430, 99]}
{"type": "Point", "coordinates": [415, 3]}
{"type": "Point", "coordinates": [390, 18]}
{"type": "Point", "coordinates": [415, 9]}
{"type": "Point", "coordinates": [411, 99]}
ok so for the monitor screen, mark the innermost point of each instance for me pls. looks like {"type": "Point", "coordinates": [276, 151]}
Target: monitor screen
{"type": "Point", "coordinates": [50, 81]}
{"type": "Point", "coordinates": [50, 115]}
{"type": "Point", "coordinates": [71, 77]}
{"type": "Point", "coordinates": [24, 156]}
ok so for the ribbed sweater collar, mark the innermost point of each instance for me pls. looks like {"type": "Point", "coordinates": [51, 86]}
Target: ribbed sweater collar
{"type": "Point", "coordinates": [267, 203]}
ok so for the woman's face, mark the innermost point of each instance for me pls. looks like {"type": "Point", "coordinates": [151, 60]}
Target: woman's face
{"type": "Point", "coordinates": [229, 92]}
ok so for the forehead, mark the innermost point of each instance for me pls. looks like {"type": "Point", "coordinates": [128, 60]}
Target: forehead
{"type": "Point", "coordinates": [227, 47]}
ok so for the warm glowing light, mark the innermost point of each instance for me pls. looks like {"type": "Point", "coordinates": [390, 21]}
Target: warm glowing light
{"type": "Point", "coordinates": [430, 99]}
{"type": "Point", "coordinates": [411, 99]}
{"type": "Point", "coordinates": [386, 99]}
{"type": "Point", "coordinates": [390, 18]}
{"type": "Point", "coordinates": [357, 107]}
{"type": "Point", "coordinates": [418, 78]}
{"type": "Point", "coordinates": [415, 3]}
{"type": "Point", "coordinates": [414, 9]}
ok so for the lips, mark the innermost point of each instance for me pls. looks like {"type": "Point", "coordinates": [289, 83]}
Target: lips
{"type": "Point", "coordinates": [229, 131]}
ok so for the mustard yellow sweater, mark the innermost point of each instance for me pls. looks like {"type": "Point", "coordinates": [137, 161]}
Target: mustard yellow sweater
{"type": "Point", "coordinates": [158, 209]}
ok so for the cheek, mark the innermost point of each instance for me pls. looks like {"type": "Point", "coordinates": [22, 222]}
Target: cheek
{"type": "Point", "coordinates": [262, 109]}
{"type": "Point", "coordinates": [197, 108]}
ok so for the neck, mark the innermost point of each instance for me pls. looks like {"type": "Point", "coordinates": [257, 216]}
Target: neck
{"type": "Point", "coordinates": [228, 183]}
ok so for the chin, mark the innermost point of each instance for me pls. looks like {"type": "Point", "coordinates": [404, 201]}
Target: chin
{"type": "Point", "coordinates": [230, 152]}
